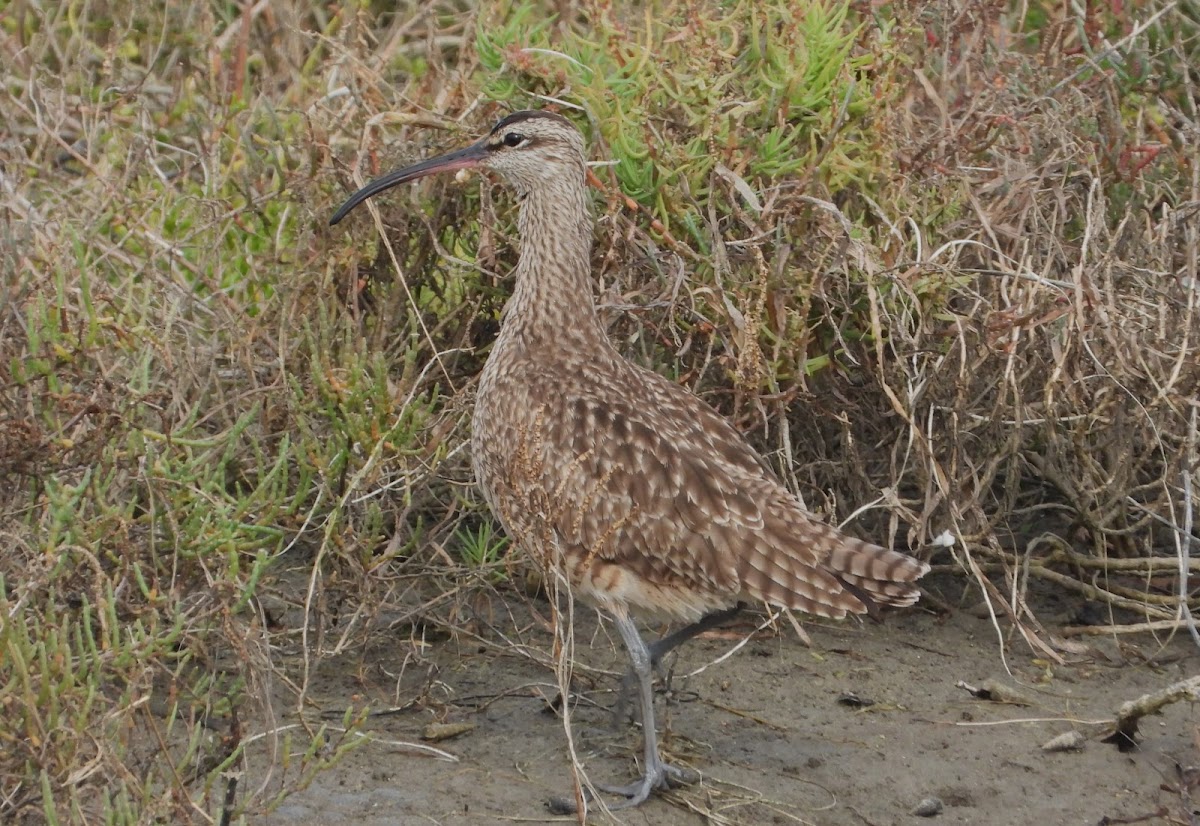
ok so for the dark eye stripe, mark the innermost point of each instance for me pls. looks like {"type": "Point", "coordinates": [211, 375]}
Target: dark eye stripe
{"type": "Point", "coordinates": [514, 140]}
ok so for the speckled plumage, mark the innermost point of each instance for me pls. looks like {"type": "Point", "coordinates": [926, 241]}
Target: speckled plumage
{"type": "Point", "coordinates": [654, 501]}
{"type": "Point", "coordinates": [644, 496]}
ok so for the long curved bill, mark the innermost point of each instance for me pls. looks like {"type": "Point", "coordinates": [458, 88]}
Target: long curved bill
{"type": "Point", "coordinates": [466, 158]}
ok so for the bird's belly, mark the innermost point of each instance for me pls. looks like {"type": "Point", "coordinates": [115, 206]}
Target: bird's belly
{"type": "Point", "coordinates": [524, 474]}
{"type": "Point", "coordinates": [520, 495]}
{"type": "Point", "coordinates": [614, 586]}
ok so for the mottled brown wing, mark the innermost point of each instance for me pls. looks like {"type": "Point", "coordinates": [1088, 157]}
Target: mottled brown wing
{"type": "Point", "coordinates": [665, 489]}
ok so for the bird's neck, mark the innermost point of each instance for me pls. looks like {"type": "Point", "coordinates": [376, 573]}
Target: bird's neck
{"type": "Point", "coordinates": [552, 302]}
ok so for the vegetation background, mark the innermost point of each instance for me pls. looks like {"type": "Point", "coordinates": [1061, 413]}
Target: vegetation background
{"type": "Point", "coordinates": [941, 261]}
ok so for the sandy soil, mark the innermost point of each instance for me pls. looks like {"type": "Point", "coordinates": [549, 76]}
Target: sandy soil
{"type": "Point", "coordinates": [770, 730]}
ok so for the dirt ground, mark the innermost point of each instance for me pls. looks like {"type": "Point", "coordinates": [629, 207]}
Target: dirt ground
{"type": "Point", "coordinates": [770, 729]}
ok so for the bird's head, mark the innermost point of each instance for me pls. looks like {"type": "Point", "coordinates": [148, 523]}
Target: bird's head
{"type": "Point", "coordinates": [531, 150]}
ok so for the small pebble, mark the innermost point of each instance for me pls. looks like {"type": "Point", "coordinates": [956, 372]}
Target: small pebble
{"type": "Point", "coordinates": [852, 700]}
{"type": "Point", "coordinates": [1067, 741]}
{"type": "Point", "coordinates": [929, 807]}
{"type": "Point", "coordinates": [436, 732]}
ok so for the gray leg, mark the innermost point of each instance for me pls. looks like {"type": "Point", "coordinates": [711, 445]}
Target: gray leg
{"type": "Point", "coordinates": [655, 773]}
{"type": "Point", "coordinates": [660, 649]}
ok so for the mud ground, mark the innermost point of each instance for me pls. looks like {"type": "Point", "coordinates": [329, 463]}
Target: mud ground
{"type": "Point", "coordinates": [858, 729]}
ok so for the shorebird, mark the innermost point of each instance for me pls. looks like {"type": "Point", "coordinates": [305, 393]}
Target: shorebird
{"type": "Point", "coordinates": [642, 496]}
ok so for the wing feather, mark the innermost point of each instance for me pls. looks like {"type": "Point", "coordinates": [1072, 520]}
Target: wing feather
{"type": "Point", "coordinates": [658, 500]}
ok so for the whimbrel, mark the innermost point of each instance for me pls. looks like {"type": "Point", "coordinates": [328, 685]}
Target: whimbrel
{"type": "Point", "coordinates": [644, 497]}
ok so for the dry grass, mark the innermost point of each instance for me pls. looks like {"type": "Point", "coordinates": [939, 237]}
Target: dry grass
{"type": "Point", "coordinates": [1056, 431]}
{"type": "Point", "coordinates": [945, 251]}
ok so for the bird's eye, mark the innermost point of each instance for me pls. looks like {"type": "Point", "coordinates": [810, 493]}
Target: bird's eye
{"type": "Point", "coordinates": [514, 139]}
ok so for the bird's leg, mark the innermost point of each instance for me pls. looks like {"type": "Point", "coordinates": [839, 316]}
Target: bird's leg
{"type": "Point", "coordinates": [656, 774]}
{"type": "Point", "coordinates": [660, 648]}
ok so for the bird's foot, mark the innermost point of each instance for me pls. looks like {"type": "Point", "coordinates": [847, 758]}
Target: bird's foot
{"type": "Point", "coordinates": [658, 776]}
